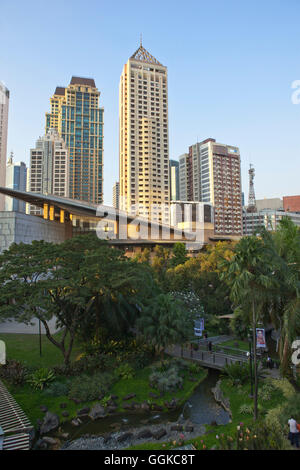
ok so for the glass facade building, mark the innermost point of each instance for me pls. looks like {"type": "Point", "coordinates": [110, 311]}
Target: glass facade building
{"type": "Point", "coordinates": [76, 115]}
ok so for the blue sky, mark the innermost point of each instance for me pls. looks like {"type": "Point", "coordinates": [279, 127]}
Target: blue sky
{"type": "Point", "coordinates": [230, 68]}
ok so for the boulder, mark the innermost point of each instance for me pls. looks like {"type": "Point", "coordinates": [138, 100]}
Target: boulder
{"type": "Point", "coordinates": [75, 422]}
{"type": "Point", "coordinates": [83, 411]}
{"type": "Point", "coordinates": [177, 427]}
{"type": "Point", "coordinates": [153, 395]}
{"type": "Point", "coordinates": [129, 396]}
{"type": "Point", "coordinates": [65, 414]}
{"type": "Point", "coordinates": [189, 428]}
{"type": "Point", "coordinates": [159, 433]}
{"type": "Point", "coordinates": [111, 409]}
{"type": "Point", "coordinates": [97, 412]}
{"type": "Point", "coordinates": [145, 406]}
{"type": "Point", "coordinates": [40, 445]}
{"type": "Point", "coordinates": [43, 408]}
{"type": "Point", "coordinates": [106, 438]}
{"type": "Point", "coordinates": [50, 440]}
{"type": "Point", "coordinates": [50, 422]}
{"type": "Point", "coordinates": [144, 434]}
{"type": "Point", "coordinates": [114, 397]}
{"type": "Point", "coordinates": [124, 437]}
{"type": "Point", "coordinates": [128, 406]}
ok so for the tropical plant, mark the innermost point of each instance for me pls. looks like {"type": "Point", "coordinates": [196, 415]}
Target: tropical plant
{"type": "Point", "coordinates": [124, 372]}
{"type": "Point", "coordinates": [237, 373]}
{"type": "Point", "coordinates": [13, 371]}
{"type": "Point", "coordinates": [41, 378]}
{"type": "Point", "coordinates": [166, 381]}
{"type": "Point", "coordinates": [57, 389]}
{"type": "Point", "coordinates": [87, 388]}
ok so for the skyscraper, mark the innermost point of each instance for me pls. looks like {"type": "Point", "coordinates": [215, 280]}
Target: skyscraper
{"type": "Point", "coordinates": [174, 180]}
{"type": "Point", "coordinates": [49, 167]}
{"type": "Point", "coordinates": [143, 136]}
{"type": "Point", "coordinates": [211, 173]}
{"type": "Point", "coordinates": [116, 195]}
{"type": "Point", "coordinates": [16, 178]}
{"type": "Point", "coordinates": [76, 115]}
{"type": "Point", "coordinates": [4, 104]}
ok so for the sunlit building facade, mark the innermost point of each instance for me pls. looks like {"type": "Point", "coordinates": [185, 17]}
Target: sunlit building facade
{"type": "Point", "coordinates": [76, 115]}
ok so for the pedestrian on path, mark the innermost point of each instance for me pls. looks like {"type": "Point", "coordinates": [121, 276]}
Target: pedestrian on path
{"type": "Point", "coordinates": [294, 433]}
{"type": "Point", "coordinates": [209, 346]}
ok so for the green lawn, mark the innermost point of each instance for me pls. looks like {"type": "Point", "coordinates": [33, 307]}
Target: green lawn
{"type": "Point", "coordinates": [236, 344]}
{"type": "Point", "coordinates": [26, 348]}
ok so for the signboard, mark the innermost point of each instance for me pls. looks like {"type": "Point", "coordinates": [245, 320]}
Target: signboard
{"type": "Point", "coordinates": [199, 327]}
{"type": "Point", "coordinates": [260, 338]}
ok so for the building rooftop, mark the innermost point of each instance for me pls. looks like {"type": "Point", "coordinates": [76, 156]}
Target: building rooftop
{"type": "Point", "coordinates": [144, 56]}
{"type": "Point", "coordinates": [59, 90]}
{"type": "Point", "coordinates": [83, 81]}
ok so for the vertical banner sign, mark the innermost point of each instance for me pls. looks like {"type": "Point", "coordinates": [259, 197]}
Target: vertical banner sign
{"type": "Point", "coordinates": [199, 327]}
{"type": "Point", "coordinates": [260, 338]}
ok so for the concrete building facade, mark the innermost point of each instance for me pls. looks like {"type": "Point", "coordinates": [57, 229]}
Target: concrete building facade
{"type": "Point", "coordinates": [144, 137]}
{"type": "Point", "coordinates": [49, 167]}
{"type": "Point", "coordinates": [267, 218]}
{"type": "Point", "coordinates": [4, 106]}
{"type": "Point", "coordinates": [211, 172]}
{"type": "Point", "coordinates": [16, 178]}
{"type": "Point", "coordinates": [174, 180]}
{"type": "Point", "coordinates": [116, 195]}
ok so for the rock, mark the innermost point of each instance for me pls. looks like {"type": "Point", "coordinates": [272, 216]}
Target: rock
{"type": "Point", "coordinates": [145, 406]}
{"type": "Point", "coordinates": [40, 445]}
{"type": "Point", "coordinates": [115, 426]}
{"type": "Point", "coordinates": [153, 395]}
{"type": "Point", "coordinates": [83, 411]}
{"type": "Point", "coordinates": [97, 412]}
{"type": "Point", "coordinates": [129, 396]}
{"type": "Point", "coordinates": [63, 405]}
{"type": "Point", "coordinates": [106, 438]}
{"type": "Point", "coordinates": [159, 434]}
{"type": "Point", "coordinates": [76, 401]}
{"type": "Point", "coordinates": [65, 435]}
{"type": "Point", "coordinates": [50, 440]}
{"type": "Point", "coordinates": [111, 409]}
{"type": "Point", "coordinates": [145, 434]}
{"type": "Point", "coordinates": [65, 414]}
{"type": "Point", "coordinates": [128, 406]}
{"type": "Point", "coordinates": [50, 422]}
{"type": "Point", "coordinates": [156, 407]}
{"type": "Point", "coordinates": [114, 397]}
{"type": "Point", "coordinates": [177, 427]}
{"type": "Point", "coordinates": [43, 408]}
{"type": "Point", "coordinates": [124, 437]}
{"type": "Point", "coordinates": [75, 422]}
{"type": "Point", "coordinates": [189, 428]}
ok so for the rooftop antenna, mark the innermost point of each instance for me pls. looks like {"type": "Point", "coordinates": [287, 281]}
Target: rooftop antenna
{"type": "Point", "coordinates": [251, 198]}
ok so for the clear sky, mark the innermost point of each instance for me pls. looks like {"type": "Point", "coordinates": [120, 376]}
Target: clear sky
{"type": "Point", "coordinates": [231, 64]}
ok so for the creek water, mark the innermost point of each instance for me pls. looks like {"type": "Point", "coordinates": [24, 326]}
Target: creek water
{"type": "Point", "coordinates": [201, 408]}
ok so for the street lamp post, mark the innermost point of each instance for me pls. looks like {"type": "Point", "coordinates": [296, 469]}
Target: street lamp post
{"type": "Point", "coordinates": [250, 363]}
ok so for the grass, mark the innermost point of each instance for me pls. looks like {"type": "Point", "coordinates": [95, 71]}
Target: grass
{"type": "Point", "coordinates": [25, 348]}
{"type": "Point", "coordinates": [139, 384]}
{"type": "Point", "coordinates": [236, 344]}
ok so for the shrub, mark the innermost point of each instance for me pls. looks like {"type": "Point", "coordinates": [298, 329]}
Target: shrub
{"type": "Point", "coordinates": [238, 374]}
{"type": "Point", "coordinates": [166, 381]}
{"type": "Point", "coordinates": [41, 378]}
{"type": "Point", "coordinates": [86, 364]}
{"type": "Point", "coordinates": [124, 371]}
{"type": "Point", "coordinates": [14, 372]}
{"type": "Point", "coordinates": [57, 389]}
{"type": "Point", "coordinates": [284, 386]}
{"type": "Point", "coordinates": [88, 388]}
{"type": "Point", "coordinates": [194, 368]}
{"type": "Point", "coordinates": [246, 409]}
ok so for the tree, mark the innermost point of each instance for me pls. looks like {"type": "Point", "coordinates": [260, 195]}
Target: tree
{"type": "Point", "coordinates": [179, 254]}
{"type": "Point", "coordinates": [82, 282]}
{"type": "Point", "coordinates": [164, 322]}
{"type": "Point", "coordinates": [250, 277]}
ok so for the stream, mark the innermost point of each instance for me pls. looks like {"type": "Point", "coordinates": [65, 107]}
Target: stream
{"type": "Point", "coordinates": [200, 409]}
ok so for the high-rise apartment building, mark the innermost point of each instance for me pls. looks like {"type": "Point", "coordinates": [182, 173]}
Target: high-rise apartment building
{"type": "Point", "coordinates": [76, 115]}
{"type": "Point", "coordinates": [116, 195]}
{"type": "Point", "coordinates": [4, 105]}
{"type": "Point", "coordinates": [143, 137]}
{"type": "Point", "coordinates": [16, 178]}
{"type": "Point", "coordinates": [211, 173]}
{"type": "Point", "coordinates": [174, 180]}
{"type": "Point", "coordinates": [49, 167]}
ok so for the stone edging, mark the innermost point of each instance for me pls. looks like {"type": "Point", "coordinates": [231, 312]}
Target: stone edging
{"type": "Point", "coordinates": [219, 397]}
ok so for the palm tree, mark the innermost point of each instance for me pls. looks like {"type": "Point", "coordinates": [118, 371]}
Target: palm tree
{"type": "Point", "coordinates": [249, 275]}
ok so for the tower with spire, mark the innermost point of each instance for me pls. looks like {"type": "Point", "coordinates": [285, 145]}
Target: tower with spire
{"type": "Point", "coordinates": [251, 197]}
{"type": "Point", "coordinates": [144, 136]}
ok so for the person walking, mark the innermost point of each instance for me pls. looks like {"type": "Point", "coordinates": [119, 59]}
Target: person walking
{"type": "Point", "coordinates": [209, 346]}
{"type": "Point", "coordinates": [294, 433]}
